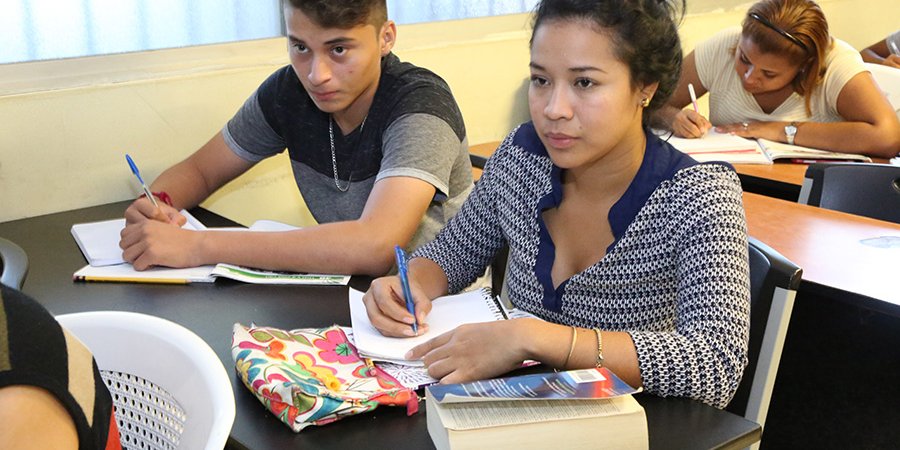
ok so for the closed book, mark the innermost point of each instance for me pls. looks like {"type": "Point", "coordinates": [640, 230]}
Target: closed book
{"type": "Point", "coordinates": [579, 409]}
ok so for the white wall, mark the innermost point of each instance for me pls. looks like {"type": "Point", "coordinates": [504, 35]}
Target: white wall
{"type": "Point", "coordinates": [65, 125]}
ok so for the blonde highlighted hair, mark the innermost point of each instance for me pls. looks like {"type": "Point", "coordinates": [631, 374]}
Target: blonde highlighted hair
{"type": "Point", "coordinates": [796, 30]}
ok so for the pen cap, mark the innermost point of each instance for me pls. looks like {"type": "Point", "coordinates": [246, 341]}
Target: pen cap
{"type": "Point", "coordinates": [134, 168]}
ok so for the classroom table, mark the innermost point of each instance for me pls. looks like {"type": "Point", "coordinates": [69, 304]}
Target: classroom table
{"type": "Point", "coordinates": [833, 248]}
{"type": "Point", "coordinates": [780, 180]}
{"type": "Point", "coordinates": [210, 310]}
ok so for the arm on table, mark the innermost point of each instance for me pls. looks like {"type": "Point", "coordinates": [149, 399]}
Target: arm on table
{"type": "Point", "coordinates": [870, 126]}
{"type": "Point", "coordinates": [363, 246]}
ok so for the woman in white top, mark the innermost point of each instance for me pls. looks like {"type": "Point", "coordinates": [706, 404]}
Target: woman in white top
{"type": "Point", "coordinates": [782, 77]}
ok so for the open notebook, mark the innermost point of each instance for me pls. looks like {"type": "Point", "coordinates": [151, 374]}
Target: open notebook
{"type": "Point", "coordinates": [737, 150]}
{"type": "Point", "coordinates": [447, 313]}
{"type": "Point", "coordinates": [99, 241]}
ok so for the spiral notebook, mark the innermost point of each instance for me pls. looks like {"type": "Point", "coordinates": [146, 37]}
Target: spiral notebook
{"type": "Point", "coordinates": [447, 313]}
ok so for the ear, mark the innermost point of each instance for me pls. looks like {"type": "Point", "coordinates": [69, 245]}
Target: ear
{"type": "Point", "coordinates": [648, 91]}
{"type": "Point", "coordinates": [387, 37]}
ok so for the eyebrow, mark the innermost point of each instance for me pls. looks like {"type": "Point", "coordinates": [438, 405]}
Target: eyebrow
{"type": "Point", "coordinates": [579, 69]}
{"type": "Point", "coordinates": [744, 56]}
{"type": "Point", "coordinates": [337, 40]}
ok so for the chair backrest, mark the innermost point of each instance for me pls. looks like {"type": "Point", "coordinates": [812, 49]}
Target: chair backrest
{"type": "Point", "coordinates": [888, 79]}
{"type": "Point", "coordinates": [13, 264]}
{"type": "Point", "coordinates": [477, 161]}
{"type": "Point", "coordinates": [169, 388]}
{"type": "Point", "coordinates": [871, 190]}
{"type": "Point", "coordinates": [773, 285]}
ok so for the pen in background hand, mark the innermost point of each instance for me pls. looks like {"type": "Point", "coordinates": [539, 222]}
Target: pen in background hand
{"type": "Point", "coordinates": [693, 97]}
{"type": "Point", "coordinates": [403, 273]}
{"type": "Point", "coordinates": [137, 173]}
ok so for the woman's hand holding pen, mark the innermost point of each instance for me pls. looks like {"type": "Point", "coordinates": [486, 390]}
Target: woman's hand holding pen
{"type": "Point", "coordinates": [688, 123]}
{"type": "Point", "coordinates": [387, 311]}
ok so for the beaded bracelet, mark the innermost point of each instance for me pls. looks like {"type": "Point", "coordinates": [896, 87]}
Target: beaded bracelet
{"type": "Point", "coordinates": [599, 348]}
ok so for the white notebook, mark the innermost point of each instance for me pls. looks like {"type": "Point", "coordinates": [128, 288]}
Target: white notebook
{"type": "Point", "coordinates": [447, 313]}
{"type": "Point", "coordinates": [99, 241]}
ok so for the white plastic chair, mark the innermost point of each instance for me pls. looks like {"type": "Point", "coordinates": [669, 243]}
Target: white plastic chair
{"type": "Point", "coordinates": [169, 388]}
{"type": "Point", "coordinates": [13, 264]}
{"type": "Point", "coordinates": [888, 79]}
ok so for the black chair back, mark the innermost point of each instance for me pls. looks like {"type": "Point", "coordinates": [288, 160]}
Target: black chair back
{"type": "Point", "coordinates": [871, 190]}
{"type": "Point", "coordinates": [773, 283]}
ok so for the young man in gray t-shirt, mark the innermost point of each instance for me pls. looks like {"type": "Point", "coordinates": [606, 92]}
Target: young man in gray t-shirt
{"type": "Point", "coordinates": [377, 146]}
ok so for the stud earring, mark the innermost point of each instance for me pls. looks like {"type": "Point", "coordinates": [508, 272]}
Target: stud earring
{"type": "Point", "coordinates": [645, 102]}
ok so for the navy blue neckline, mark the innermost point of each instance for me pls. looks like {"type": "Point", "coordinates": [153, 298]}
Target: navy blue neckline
{"type": "Point", "coordinates": [661, 161]}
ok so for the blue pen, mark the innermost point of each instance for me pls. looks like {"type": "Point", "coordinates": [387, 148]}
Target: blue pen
{"type": "Point", "coordinates": [403, 273]}
{"type": "Point", "coordinates": [137, 173]}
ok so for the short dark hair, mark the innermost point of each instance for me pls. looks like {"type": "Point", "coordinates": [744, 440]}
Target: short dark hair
{"type": "Point", "coordinates": [643, 33]}
{"type": "Point", "coordinates": [342, 13]}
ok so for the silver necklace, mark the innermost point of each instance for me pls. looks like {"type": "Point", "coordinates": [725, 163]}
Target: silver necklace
{"type": "Point", "coordinates": [334, 156]}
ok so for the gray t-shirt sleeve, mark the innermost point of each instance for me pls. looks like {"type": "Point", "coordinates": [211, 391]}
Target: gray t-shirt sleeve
{"type": "Point", "coordinates": [420, 146]}
{"type": "Point", "coordinates": [249, 135]}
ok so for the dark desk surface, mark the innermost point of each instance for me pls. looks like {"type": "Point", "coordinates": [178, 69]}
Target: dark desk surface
{"type": "Point", "coordinates": [210, 310]}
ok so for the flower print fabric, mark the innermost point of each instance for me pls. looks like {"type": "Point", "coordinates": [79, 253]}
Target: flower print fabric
{"type": "Point", "coordinates": [312, 376]}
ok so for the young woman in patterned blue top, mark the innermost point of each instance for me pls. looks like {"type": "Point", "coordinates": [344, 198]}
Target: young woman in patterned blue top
{"type": "Point", "coordinates": [633, 254]}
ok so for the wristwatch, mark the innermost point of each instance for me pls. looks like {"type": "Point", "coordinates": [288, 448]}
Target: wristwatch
{"type": "Point", "coordinates": [790, 131]}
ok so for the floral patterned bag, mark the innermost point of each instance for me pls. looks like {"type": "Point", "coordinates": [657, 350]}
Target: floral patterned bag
{"type": "Point", "coordinates": [312, 376]}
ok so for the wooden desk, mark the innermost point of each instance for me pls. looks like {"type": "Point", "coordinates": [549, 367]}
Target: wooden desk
{"type": "Point", "coordinates": [780, 180]}
{"type": "Point", "coordinates": [826, 244]}
{"type": "Point", "coordinates": [210, 310]}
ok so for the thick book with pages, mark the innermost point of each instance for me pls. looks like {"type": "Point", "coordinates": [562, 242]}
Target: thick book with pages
{"type": "Point", "coordinates": [590, 408]}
